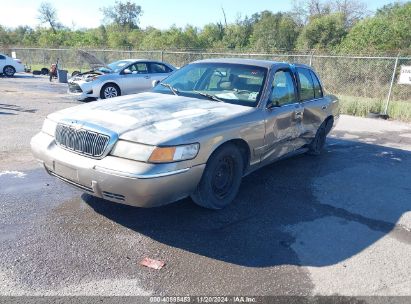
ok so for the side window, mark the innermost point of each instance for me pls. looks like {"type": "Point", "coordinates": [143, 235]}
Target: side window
{"type": "Point", "coordinates": [318, 92]}
{"type": "Point", "coordinates": [283, 89]}
{"type": "Point", "coordinates": [159, 68]}
{"type": "Point", "coordinates": [306, 83]}
{"type": "Point", "coordinates": [139, 68]}
{"type": "Point", "coordinates": [2, 57]}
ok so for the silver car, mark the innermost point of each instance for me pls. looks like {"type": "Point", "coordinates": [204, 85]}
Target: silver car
{"type": "Point", "coordinates": [196, 134]}
{"type": "Point", "coordinates": [122, 77]}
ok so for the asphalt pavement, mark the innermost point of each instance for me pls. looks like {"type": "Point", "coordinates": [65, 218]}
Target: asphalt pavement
{"type": "Point", "coordinates": [336, 224]}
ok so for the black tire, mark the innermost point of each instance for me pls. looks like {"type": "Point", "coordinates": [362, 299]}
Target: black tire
{"type": "Point", "coordinates": [88, 99]}
{"type": "Point", "coordinates": [9, 71]}
{"type": "Point", "coordinates": [45, 71]}
{"type": "Point", "coordinates": [317, 144]}
{"type": "Point", "coordinates": [221, 178]}
{"type": "Point", "coordinates": [110, 90]}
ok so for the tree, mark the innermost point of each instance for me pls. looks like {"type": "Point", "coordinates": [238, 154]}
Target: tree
{"type": "Point", "coordinates": [304, 10]}
{"type": "Point", "coordinates": [274, 31]}
{"type": "Point", "coordinates": [48, 14]}
{"type": "Point", "coordinates": [323, 32]}
{"type": "Point", "coordinates": [5, 39]}
{"type": "Point", "coordinates": [212, 34]}
{"type": "Point", "coordinates": [236, 35]}
{"type": "Point", "coordinates": [388, 30]}
{"type": "Point", "coordinates": [351, 10]}
{"type": "Point", "coordinates": [125, 14]}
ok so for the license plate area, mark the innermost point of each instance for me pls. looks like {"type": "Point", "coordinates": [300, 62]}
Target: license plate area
{"type": "Point", "coordinates": [66, 171]}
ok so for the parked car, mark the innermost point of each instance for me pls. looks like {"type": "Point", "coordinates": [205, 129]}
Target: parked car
{"type": "Point", "coordinates": [118, 78]}
{"type": "Point", "coordinates": [196, 134]}
{"type": "Point", "coordinates": [10, 66]}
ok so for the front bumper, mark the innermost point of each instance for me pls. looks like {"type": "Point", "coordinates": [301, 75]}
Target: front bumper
{"type": "Point", "coordinates": [117, 179]}
{"type": "Point", "coordinates": [82, 90]}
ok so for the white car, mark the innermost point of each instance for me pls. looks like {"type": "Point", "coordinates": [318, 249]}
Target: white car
{"type": "Point", "coordinates": [122, 77]}
{"type": "Point", "coordinates": [10, 66]}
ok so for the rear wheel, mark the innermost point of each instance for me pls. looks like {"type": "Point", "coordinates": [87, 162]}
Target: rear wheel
{"type": "Point", "coordinates": [221, 178]}
{"type": "Point", "coordinates": [9, 71]}
{"type": "Point", "coordinates": [317, 145]}
{"type": "Point", "coordinates": [109, 90]}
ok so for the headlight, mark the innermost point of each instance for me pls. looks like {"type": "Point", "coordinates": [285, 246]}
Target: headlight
{"type": "Point", "coordinates": [89, 79]}
{"type": "Point", "coordinates": [154, 154]}
{"type": "Point", "coordinates": [49, 127]}
{"type": "Point", "coordinates": [173, 154]}
{"type": "Point", "coordinates": [132, 150]}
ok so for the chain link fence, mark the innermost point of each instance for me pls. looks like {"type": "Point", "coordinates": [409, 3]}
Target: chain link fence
{"type": "Point", "coordinates": [362, 82]}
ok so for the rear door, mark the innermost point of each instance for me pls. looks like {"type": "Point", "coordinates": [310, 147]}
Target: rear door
{"type": "Point", "coordinates": [158, 71]}
{"type": "Point", "coordinates": [283, 116]}
{"type": "Point", "coordinates": [313, 102]}
{"type": "Point", "coordinates": [135, 78]}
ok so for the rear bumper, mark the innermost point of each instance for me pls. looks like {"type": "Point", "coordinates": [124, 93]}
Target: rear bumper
{"type": "Point", "coordinates": [116, 179]}
{"type": "Point", "coordinates": [19, 68]}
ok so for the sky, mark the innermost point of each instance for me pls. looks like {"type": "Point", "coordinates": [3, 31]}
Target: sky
{"type": "Point", "coordinates": [158, 13]}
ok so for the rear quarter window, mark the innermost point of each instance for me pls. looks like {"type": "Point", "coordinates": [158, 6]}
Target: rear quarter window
{"type": "Point", "coordinates": [159, 68]}
{"type": "Point", "coordinates": [306, 84]}
{"type": "Point", "coordinates": [318, 91]}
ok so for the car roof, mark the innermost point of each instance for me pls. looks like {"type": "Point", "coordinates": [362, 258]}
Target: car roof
{"type": "Point", "coordinates": [146, 60]}
{"type": "Point", "coordinates": [139, 60]}
{"type": "Point", "coordinates": [253, 62]}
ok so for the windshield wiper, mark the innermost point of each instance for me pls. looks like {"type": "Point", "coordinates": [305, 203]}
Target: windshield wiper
{"type": "Point", "coordinates": [172, 89]}
{"type": "Point", "coordinates": [209, 96]}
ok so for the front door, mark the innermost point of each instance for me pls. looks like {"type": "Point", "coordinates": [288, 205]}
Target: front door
{"type": "Point", "coordinates": [135, 78]}
{"type": "Point", "coordinates": [283, 117]}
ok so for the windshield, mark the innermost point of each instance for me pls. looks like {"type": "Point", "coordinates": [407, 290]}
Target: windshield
{"type": "Point", "coordinates": [232, 83]}
{"type": "Point", "coordinates": [115, 66]}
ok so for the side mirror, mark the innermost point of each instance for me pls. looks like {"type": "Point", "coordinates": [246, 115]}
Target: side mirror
{"type": "Point", "coordinates": [273, 104]}
{"type": "Point", "coordinates": [126, 71]}
{"type": "Point", "coordinates": [155, 83]}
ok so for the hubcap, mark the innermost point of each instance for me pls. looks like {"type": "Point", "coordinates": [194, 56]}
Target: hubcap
{"type": "Point", "coordinates": [9, 71]}
{"type": "Point", "coordinates": [223, 177]}
{"type": "Point", "coordinates": [110, 92]}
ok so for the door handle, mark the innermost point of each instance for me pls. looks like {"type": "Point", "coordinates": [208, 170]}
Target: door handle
{"type": "Point", "coordinates": [298, 113]}
{"type": "Point", "coordinates": [324, 107]}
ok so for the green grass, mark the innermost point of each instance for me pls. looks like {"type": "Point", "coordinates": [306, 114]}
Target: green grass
{"type": "Point", "coordinates": [361, 106]}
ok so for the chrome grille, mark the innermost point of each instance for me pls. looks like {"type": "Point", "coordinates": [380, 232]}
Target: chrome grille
{"type": "Point", "coordinates": [81, 141]}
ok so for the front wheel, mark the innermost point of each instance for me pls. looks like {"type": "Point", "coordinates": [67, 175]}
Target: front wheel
{"type": "Point", "coordinates": [221, 179]}
{"type": "Point", "coordinates": [9, 71]}
{"type": "Point", "coordinates": [109, 91]}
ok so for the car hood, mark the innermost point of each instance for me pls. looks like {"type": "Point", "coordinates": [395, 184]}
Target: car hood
{"type": "Point", "coordinates": [153, 118]}
{"type": "Point", "coordinates": [86, 76]}
{"type": "Point", "coordinates": [92, 60]}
